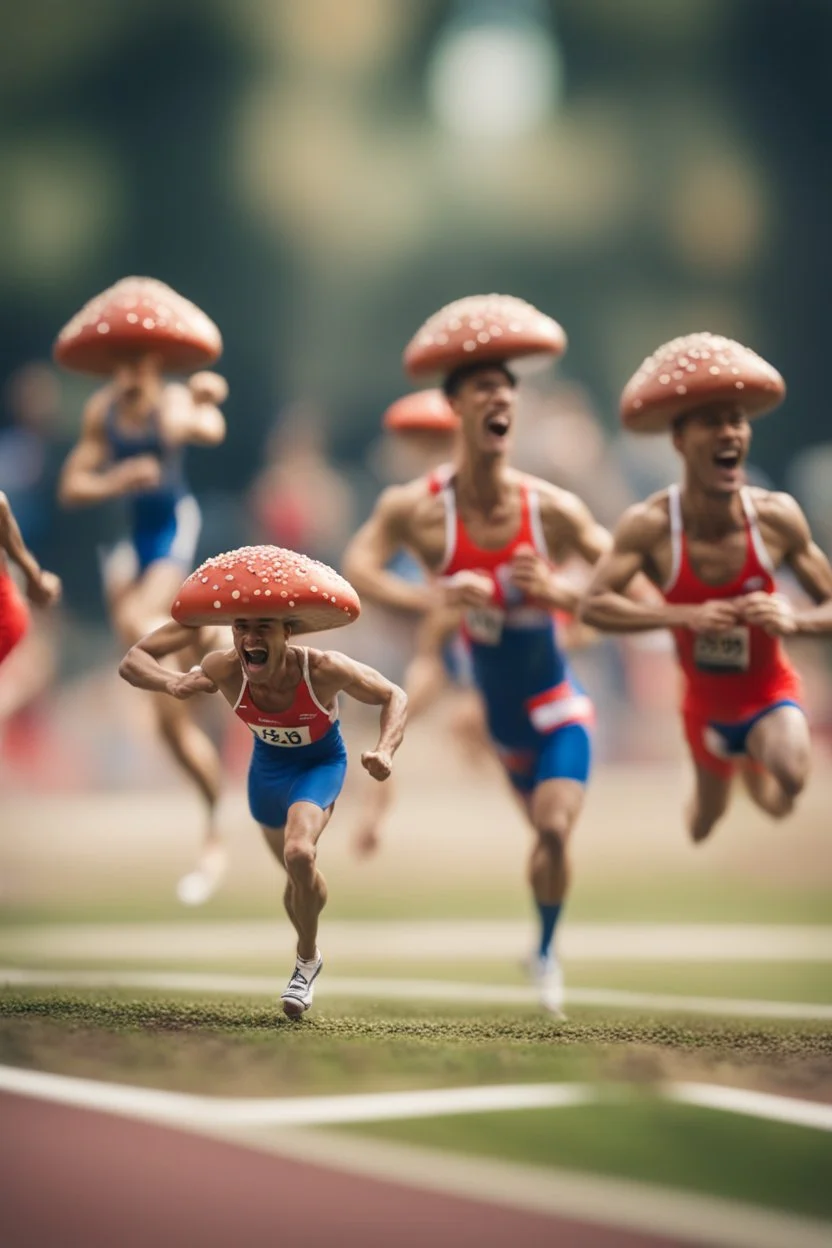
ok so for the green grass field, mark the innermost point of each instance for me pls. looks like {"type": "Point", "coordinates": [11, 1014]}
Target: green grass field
{"type": "Point", "coordinates": [114, 862]}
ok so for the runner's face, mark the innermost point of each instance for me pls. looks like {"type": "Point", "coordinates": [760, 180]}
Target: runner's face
{"type": "Point", "coordinates": [485, 403]}
{"type": "Point", "coordinates": [260, 646]}
{"type": "Point", "coordinates": [714, 441]}
{"type": "Point", "coordinates": [139, 381]}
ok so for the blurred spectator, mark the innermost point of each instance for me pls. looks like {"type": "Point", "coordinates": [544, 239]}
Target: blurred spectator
{"type": "Point", "coordinates": [298, 500]}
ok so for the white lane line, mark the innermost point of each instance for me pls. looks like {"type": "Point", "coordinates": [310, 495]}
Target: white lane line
{"type": "Point", "coordinates": [474, 940]}
{"type": "Point", "coordinates": [417, 990]}
{"type": "Point", "coordinates": [189, 1109]}
{"type": "Point", "coordinates": [598, 1199]}
{"type": "Point", "coordinates": [701, 1219]}
{"type": "Point", "coordinates": [185, 1109]}
{"type": "Point", "coordinates": [756, 1104]}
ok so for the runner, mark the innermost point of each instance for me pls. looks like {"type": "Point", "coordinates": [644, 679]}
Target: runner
{"type": "Point", "coordinates": [134, 431]}
{"type": "Point", "coordinates": [489, 537]}
{"type": "Point", "coordinates": [288, 696]}
{"type": "Point", "coordinates": [713, 546]}
{"type": "Point", "coordinates": [43, 589]}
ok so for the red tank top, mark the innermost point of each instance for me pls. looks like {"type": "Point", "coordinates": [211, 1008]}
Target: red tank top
{"type": "Point", "coordinates": [305, 721]}
{"type": "Point", "coordinates": [734, 674]}
{"type": "Point", "coordinates": [510, 607]}
{"type": "Point", "coordinates": [14, 613]}
{"type": "Point", "coordinates": [463, 555]}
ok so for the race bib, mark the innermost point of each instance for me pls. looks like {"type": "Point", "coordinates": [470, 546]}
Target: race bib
{"type": "Point", "coordinates": [723, 652]}
{"type": "Point", "coordinates": [485, 625]}
{"type": "Point", "coordinates": [282, 736]}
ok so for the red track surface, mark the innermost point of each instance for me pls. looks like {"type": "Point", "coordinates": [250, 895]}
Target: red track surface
{"type": "Point", "coordinates": [78, 1177]}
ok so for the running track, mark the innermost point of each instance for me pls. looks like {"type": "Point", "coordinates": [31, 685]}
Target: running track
{"type": "Point", "coordinates": [71, 1176]}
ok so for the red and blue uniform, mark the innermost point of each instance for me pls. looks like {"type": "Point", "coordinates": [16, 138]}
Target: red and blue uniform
{"type": "Point", "coordinates": [731, 679]}
{"type": "Point", "coordinates": [164, 521]}
{"type": "Point", "coordinates": [538, 716]}
{"type": "Point", "coordinates": [14, 613]}
{"type": "Point", "coordinates": [299, 754]}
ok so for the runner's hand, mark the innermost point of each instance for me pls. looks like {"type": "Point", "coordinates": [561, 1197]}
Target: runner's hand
{"type": "Point", "coordinates": [377, 763]}
{"type": "Point", "coordinates": [716, 616]}
{"type": "Point", "coordinates": [532, 574]}
{"type": "Point", "coordinates": [468, 589]}
{"type": "Point", "coordinates": [139, 472]}
{"type": "Point", "coordinates": [208, 387]}
{"type": "Point", "coordinates": [771, 612]}
{"type": "Point", "coordinates": [44, 590]}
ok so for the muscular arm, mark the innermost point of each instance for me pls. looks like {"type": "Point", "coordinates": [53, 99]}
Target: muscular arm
{"type": "Point", "coordinates": [43, 588]}
{"type": "Point", "coordinates": [605, 603]}
{"type": "Point", "coordinates": [88, 477]}
{"type": "Point", "coordinates": [142, 666]}
{"type": "Point", "coordinates": [374, 545]}
{"type": "Point", "coordinates": [809, 564]}
{"type": "Point", "coordinates": [342, 674]}
{"type": "Point", "coordinates": [190, 414]}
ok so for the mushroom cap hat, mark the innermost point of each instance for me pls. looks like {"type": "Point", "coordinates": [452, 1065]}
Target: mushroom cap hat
{"type": "Point", "coordinates": [138, 316]}
{"type": "Point", "coordinates": [483, 329]}
{"type": "Point", "coordinates": [266, 582]}
{"type": "Point", "coordinates": [423, 411]}
{"type": "Point", "coordinates": [695, 371]}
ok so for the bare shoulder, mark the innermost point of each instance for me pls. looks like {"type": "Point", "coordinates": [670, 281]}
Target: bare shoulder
{"type": "Point", "coordinates": [328, 665]}
{"type": "Point", "coordinates": [644, 524]}
{"type": "Point", "coordinates": [779, 510]}
{"type": "Point", "coordinates": [402, 500]}
{"type": "Point", "coordinates": [95, 411]}
{"type": "Point", "coordinates": [555, 501]}
{"type": "Point", "coordinates": [221, 665]}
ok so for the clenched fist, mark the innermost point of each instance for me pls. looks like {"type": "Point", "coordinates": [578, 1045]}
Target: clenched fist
{"type": "Point", "coordinates": [771, 612]}
{"type": "Point", "coordinates": [208, 387]}
{"type": "Point", "coordinates": [377, 763]}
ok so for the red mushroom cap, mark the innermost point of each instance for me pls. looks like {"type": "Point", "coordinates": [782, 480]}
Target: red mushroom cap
{"type": "Point", "coordinates": [483, 329]}
{"type": "Point", "coordinates": [266, 582]}
{"type": "Point", "coordinates": [137, 316]}
{"type": "Point", "coordinates": [425, 411]}
{"type": "Point", "coordinates": [696, 371]}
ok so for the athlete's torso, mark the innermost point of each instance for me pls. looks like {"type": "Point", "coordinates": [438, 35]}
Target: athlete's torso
{"type": "Point", "coordinates": [513, 642]}
{"type": "Point", "coordinates": [304, 722]}
{"type": "Point", "coordinates": [727, 674]}
{"type": "Point", "coordinates": [149, 507]}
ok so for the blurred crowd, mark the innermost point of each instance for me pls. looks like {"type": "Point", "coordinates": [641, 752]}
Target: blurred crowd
{"type": "Point", "coordinates": [67, 719]}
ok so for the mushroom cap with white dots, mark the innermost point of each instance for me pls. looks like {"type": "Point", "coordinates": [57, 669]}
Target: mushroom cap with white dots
{"type": "Point", "coordinates": [138, 316]}
{"type": "Point", "coordinates": [483, 329]}
{"type": "Point", "coordinates": [266, 582]}
{"type": "Point", "coordinates": [698, 370]}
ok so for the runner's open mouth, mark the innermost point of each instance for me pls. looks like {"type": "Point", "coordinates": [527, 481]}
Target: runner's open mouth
{"type": "Point", "coordinates": [255, 657]}
{"type": "Point", "coordinates": [727, 459]}
{"type": "Point", "coordinates": [498, 425]}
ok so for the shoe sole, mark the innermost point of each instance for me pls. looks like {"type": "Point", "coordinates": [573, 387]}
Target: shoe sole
{"type": "Point", "coordinates": [293, 1009]}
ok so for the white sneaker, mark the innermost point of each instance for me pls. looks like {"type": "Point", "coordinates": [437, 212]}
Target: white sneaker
{"type": "Point", "coordinates": [548, 976]}
{"type": "Point", "coordinates": [195, 888]}
{"type": "Point", "coordinates": [298, 994]}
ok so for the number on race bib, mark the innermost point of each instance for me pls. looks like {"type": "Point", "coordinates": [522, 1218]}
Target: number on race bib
{"type": "Point", "coordinates": [485, 625]}
{"type": "Point", "coordinates": [281, 736]}
{"type": "Point", "coordinates": [722, 652]}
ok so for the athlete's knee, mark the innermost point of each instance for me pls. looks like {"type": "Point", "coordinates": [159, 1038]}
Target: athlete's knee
{"type": "Point", "coordinates": [553, 832]}
{"type": "Point", "coordinates": [791, 774]}
{"type": "Point", "coordinates": [299, 857]}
